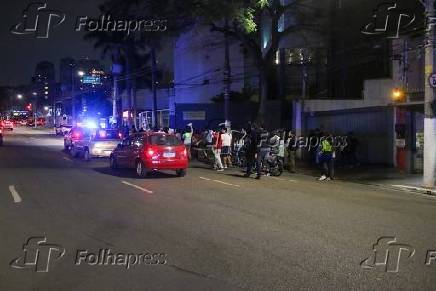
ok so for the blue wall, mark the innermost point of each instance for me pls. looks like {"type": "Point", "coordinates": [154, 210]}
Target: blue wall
{"type": "Point", "coordinates": [240, 114]}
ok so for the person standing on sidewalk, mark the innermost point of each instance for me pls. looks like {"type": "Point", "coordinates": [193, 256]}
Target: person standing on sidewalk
{"type": "Point", "coordinates": [226, 150]}
{"type": "Point", "coordinates": [187, 139]}
{"type": "Point", "coordinates": [263, 149]}
{"type": "Point", "coordinates": [326, 158]}
{"type": "Point", "coordinates": [292, 149]}
{"type": "Point", "coordinates": [250, 148]}
{"type": "Point", "coordinates": [217, 147]}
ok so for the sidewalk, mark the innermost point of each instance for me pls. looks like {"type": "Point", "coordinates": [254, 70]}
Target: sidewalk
{"type": "Point", "coordinates": [374, 175]}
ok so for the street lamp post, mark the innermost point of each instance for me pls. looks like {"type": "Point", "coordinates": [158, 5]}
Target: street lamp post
{"type": "Point", "coordinates": [73, 89]}
{"type": "Point", "coordinates": [429, 102]}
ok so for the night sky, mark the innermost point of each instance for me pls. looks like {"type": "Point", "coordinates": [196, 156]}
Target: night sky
{"type": "Point", "coordinates": [20, 53]}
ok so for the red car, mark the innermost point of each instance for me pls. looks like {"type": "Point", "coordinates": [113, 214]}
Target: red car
{"type": "Point", "coordinates": [152, 151]}
{"type": "Point", "coordinates": [7, 125]}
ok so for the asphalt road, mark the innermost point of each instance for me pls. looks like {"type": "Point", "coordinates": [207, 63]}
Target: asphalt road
{"type": "Point", "coordinates": [215, 231]}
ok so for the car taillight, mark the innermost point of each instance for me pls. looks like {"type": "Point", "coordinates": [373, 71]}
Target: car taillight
{"type": "Point", "coordinates": [150, 152]}
{"type": "Point", "coordinates": [184, 153]}
{"type": "Point", "coordinates": [120, 135]}
{"type": "Point", "coordinates": [76, 135]}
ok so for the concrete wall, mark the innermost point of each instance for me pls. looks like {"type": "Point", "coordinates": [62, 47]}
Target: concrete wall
{"type": "Point", "coordinates": [376, 93]}
{"type": "Point", "coordinates": [372, 126]}
{"type": "Point", "coordinates": [199, 64]}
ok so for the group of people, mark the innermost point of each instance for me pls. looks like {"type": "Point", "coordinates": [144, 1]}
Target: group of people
{"type": "Point", "coordinates": [258, 144]}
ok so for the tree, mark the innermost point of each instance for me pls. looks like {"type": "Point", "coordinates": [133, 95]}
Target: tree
{"type": "Point", "coordinates": [139, 48]}
{"type": "Point", "coordinates": [251, 21]}
{"type": "Point", "coordinates": [128, 50]}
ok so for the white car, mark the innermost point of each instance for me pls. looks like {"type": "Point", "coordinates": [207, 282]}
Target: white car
{"type": "Point", "coordinates": [99, 143]}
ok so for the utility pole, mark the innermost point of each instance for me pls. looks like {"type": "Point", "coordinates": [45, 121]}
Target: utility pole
{"type": "Point", "coordinates": [154, 85]}
{"type": "Point", "coordinates": [73, 103]}
{"type": "Point", "coordinates": [115, 100]}
{"type": "Point", "coordinates": [227, 74]}
{"type": "Point", "coordinates": [429, 101]}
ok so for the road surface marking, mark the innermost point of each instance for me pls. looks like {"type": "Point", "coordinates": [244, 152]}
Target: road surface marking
{"type": "Point", "coordinates": [218, 181]}
{"type": "Point", "coordinates": [67, 159]}
{"type": "Point", "coordinates": [137, 187]}
{"type": "Point", "coordinates": [225, 183]}
{"type": "Point", "coordinates": [281, 179]}
{"type": "Point", "coordinates": [15, 195]}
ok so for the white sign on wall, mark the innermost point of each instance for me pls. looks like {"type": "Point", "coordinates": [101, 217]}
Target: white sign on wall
{"type": "Point", "coordinates": [194, 115]}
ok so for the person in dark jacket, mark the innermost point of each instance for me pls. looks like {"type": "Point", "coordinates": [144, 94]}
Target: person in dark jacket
{"type": "Point", "coordinates": [250, 148]}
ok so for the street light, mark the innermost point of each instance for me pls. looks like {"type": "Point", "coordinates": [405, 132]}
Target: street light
{"type": "Point", "coordinates": [398, 95]}
{"type": "Point", "coordinates": [80, 73]}
{"type": "Point", "coordinates": [20, 96]}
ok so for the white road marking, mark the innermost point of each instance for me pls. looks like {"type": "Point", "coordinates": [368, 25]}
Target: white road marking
{"type": "Point", "coordinates": [15, 195]}
{"type": "Point", "coordinates": [225, 183]}
{"type": "Point", "coordinates": [137, 187]}
{"type": "Point", "coordinates": [67, 159]}
{"type": "Point", "coordinates": [281, 179]}
{"type": "Point", "coordinates": [218, 181]}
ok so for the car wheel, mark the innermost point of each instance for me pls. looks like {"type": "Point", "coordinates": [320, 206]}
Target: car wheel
{"type": "Point", "coordinates": [73, 151]}
{"type": "Point", "coordinates": [181, 172]}
{"type": "Point", "coordinates": [113, 162]}
{"type": "Point", "coordinates": [86, 155]}
{"type": "Point", "coordinates": [141, 171]}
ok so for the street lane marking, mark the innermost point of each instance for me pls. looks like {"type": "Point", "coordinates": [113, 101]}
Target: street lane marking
{"type": "Point", "coordinates": [15, 195]}
{"type": "Point", "coordinates": [281, 179]}
{"type": "Point", "coordinates": [225, 183]}
{"type": "Point", "coordinates": [218, 181]}
{"type": "Point", "coordinates": [137, 187]}
{"type": "Point", "coordinates": [67, 159]}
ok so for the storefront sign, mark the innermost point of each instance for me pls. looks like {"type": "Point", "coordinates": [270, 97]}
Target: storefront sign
{"type": "Point", "coordinates": [194, 115]}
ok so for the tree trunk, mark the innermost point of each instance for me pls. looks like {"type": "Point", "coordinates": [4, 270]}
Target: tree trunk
{"type": "Point", "coordinates": [263, 95]}
{"type": "Point", "coordinates": [154, 85]}
{"type": "Point", "coordinates": [129, 90]}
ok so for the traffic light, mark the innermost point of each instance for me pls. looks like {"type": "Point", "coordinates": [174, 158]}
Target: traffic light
{"type": "Point", "coordinates": [398, 95]}
{"type": "Point", "coordinates": [29, 107]}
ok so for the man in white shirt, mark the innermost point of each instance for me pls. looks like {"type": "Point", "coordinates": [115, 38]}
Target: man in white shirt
{"type": "Point", "coordinates": [226, 149]}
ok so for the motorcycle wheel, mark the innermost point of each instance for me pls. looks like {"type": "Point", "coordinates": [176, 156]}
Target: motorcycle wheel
{"type": "Point", "coordinates": [277, 169]}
